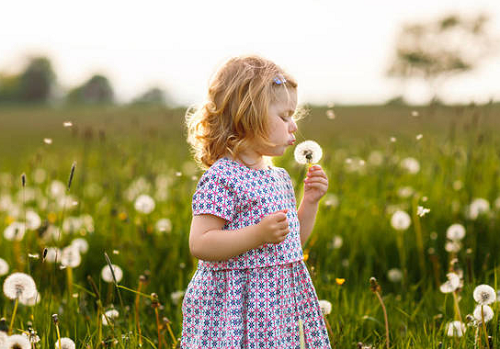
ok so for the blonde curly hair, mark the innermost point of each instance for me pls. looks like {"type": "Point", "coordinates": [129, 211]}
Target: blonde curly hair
{"type": "Point", "coordinates": [234, 115]}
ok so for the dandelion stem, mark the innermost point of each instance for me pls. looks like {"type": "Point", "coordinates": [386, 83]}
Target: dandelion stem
{"type": "Point", "coordinates": [418, 235]}
{"type": "Point", "coordinates": [69, 272]}
{"type": "Point", "coordinates": [458, 315]}
{"type": "Point", "coordinates": [329, 327]}
{"type": "Point", "coordinates": [174, 340]}
{"type": "Point", "coordinates": [375, 288]}
{"type": "Point", "coordinates": [13, 316]}
{"type": "Point", "coordinates": [137, 303]}
{"type": "Point", "coordinates": [484, 328]}
{"type": "Point", "coordinates": [301, 335]}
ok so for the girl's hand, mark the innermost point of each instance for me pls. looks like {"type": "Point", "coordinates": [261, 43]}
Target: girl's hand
{"type": "Point", "coordinates": [273, 228]}
{"type": "Point", "coordinates": [315, 185]}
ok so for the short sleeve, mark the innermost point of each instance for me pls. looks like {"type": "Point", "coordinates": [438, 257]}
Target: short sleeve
{"type": "Point", "coordinates": [214, 195]}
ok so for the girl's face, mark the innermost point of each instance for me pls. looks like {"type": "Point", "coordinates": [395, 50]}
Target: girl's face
{"type": "Point", "coordinates": [281, 124]}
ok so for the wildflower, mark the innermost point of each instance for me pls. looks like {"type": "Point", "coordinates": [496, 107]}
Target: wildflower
{"type": "Point", "coordinates": [4, 267]}
{"type": "Point", "coordinates": [325, 306]}
{"type": "Point", "coordinates": [484, 294]}
{"type": "Point", "coordinates": [405, 192]}
{"type": "Point", "coordinates": [66, 343]}
{"type": "Point", "coordinates": [15, 231]}
{"type": "Point", "coordinates": [164, 225]}
{"type": "Point", "coordinates": [455, 232]}
{"type": "Point", "coordinates": [47, 140]}
{"type": "Point", "coordinates": [400, 220]}
{"type": "Point", "coordinates": [330, 114]}
{"type": "Point", "coordinates": [454, 282]}
{"type": "Point", "coordinates": [339, 281]}
{"type": "Point", "coordinates": [176, 296]}
{"type": "Point", "coordinates": [19, 285]}
{"type": "Point", "coordinates": [33, 220]}
{"type": "Point", "coordinates": [478, 207]}
{"type": "Point", "coordinates": [414, 113]}
{"type": "Point", "coordinates": [109, 315]}
{"type": "Point", "coordinates": [108, 277]}
{"type": "Point", "coordinates": [70, 257]}
{"type": "Point", "coordinates": [52, 252]}
{"type": "Point", "coordinates": [337, 242]}
{"type": "Point", "coordinates": [393, 139]}
{"type": "Point", "coordinates": [144, 204]}
{"type": "Point", "coordinates": [486, 311]}
{"type": "Point", "coordinates": [80, 244]}
{"type": "Point", "coordinates": [17, 341]}
{"type": "Point", "coordinates": [422, 211]}
{"type": "Point", "coordinates": [419, 137]}
{"type": "Point", "coordinates": [410, 164]}
{"type": "Point", "coordinates": [67, 124]}
{"type": "Point", "coordinates": [455, 329]}
{"type": "Point", "coordinates": [376, 158]}
{"type": "Point", "coordinates": [395, 275]}
{"type": "Point", "coordinates": [308, 152]}
{"type": "Point", "coordinates": [453, 246]}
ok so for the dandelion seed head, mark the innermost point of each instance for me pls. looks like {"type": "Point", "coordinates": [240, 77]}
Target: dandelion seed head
{"type": "Point", "coordinates": [453, 246]}
{"type": "Point", "coordinates": [178, 174]}
{"type": "Point", "coordinates": [308, 152]}
{"type": "Point", "coordinates": [422, 211]}
{"type": "Point", "coordinates": [47, 140]}
{"type": "Point", "coordinates": [393, 139]}
{"type": "Point", "coordinates": [477, 208]}
{"type": "Point", "coordinates": [164, 225]}
{"type": "Point", "coordinates": [454, 282]}
{"type": "Point", "coordinates": [177, 296]}
{"type": "Point", "coordinates": [52, 252]}
{"type": "Point", "coordinates": [325, 306]}
{"type": "Point", "coordinates": [337, 242]}
{"type": "Point", "coordinates": [400, 220]}
{"type": "Point", "coordinates": [395, 275]}
{"type": "Point", "coordinates": [484, 294]}
{"type": "Point", "coordinates": [419, 137]}
{"type": "Point", "coordinates": [455, 232]}
{"type": "Point", "coordinates": [330, 114]}
{"type": "Point", "coordinates": [415, 113]}
{"type": "Point", "coordinates": [19, 285]}
{"type": "Point", "coordinates": [4, 267]}
{"type": "Point", "coordinates": [80, 244]}
{"type": "Point", "coordinates": [70, 257]}
{"type": "Point", "coordinates": [411, 165]}
{"type": "Point", "coordinates": [17, 341]}
{"type": "Point", "coordinates": [108, 277]}
{"type": "Point", "coordinates": [15, 231]}
{"type": "Point", "coordinates": [405, 192]}
{"type": "Point", "coordinates": [486, 311]}
{"type": "Point", "coordinates": [66, 343]}
{"type": "Point", "coordinates": [110, 314]}
{"type": "Point", "coordinates": [67, 124]}
{"type": "Point", "coordinates": [144, 204]}
{"type": "Point", "coordinates": [31, 301]}
{"type": "Point", "coordinates": [455, 329]}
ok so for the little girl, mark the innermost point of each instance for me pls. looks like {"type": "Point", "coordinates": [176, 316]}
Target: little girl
{"type": "Point", "coordinates": [251, 288]}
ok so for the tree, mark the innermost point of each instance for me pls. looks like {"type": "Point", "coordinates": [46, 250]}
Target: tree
{"type": "Point", "coordinates": [37, 80]}
{"type": "Point", "coordinates": [437, 50]}
{"type": "Point", "coordinates": [154, 95]}
{"type": "Point", "coordinates": [96, 90]}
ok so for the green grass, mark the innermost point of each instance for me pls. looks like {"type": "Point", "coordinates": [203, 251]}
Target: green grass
{"type": "Point", "coordinates": [113, 147]}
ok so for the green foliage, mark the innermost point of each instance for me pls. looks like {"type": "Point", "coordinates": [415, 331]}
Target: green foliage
{"type": "Point", "coordinates": [96, 90]}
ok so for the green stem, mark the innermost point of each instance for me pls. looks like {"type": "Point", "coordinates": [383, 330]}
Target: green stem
{"type": "Point", "coordinates": [13, 316]}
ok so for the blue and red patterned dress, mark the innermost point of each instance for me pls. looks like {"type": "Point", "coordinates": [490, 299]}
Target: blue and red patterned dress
{"type": "Point", "coordinates": [253, 300]}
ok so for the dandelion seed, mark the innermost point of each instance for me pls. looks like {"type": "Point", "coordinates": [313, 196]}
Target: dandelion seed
{"type": "Point", "coordinates": [325, 306]}
{"type": "Point", "coordinates": [393, 139]}
{"type": "Point", "coordinates": [455, 232]}
{"type": "Point", "coordinates": [454, 282]}
{"type": "Point", "coordinates": [17, 341]}
{"type": "Point", "coordinates": [422, 211]}
{"type": "Point", "coordinates": [4, 267]}
{"type": "Point", "coordinates": [484, 294]}
{"type": "Point", "coordinates": [144, 204]}
{"type": "Point", "coordinates": [337, 241]}
{"type": "Point", "coordinates": [66, 343]}
{"type": "Point", "coordinates": [414, 113]}
{"type": "Point", "coordinates": [176, 296]}
{"type": "Point", "coordinates": [308, 152]}
{"type": "Point", "coordinates": [400, 220]}
{"type": "Point", "coordinates": [395, 275]}
{"type": "Point", "coordinates": [67, 124]}
{"type": "Point", "coordinates": [80, 244]}
{"type": "Point", "coordinates": [14, 232]}
{"type": "Point", "coordinates": [164, 225]}
{"type": "Point", "coordinates": [410, 164]}
{"type": "Point", "coordinates": [487, 311]}
{"type": "Point", "coordinates": [419, 137]}
{"type": "Point", "coordinates": [47, 140]}
{"type": "Point", "coordinates": [455, 329]}
{"type": "Point", "coordinates": [70, 257]}
{"type": "Point", "coordinates": [33, 255]}
{"type": "Point", "coordinates": [19, 285]}
{"type": "Point", "coordinates": [330, 114]}
{"type": "Point", "coordinates": [108, 277]}
{"type": "Point", "coordinates": [110, 314]}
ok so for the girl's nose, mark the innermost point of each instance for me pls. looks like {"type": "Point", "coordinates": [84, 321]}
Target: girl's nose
{"type": "Point", "coordinates": [293, 126]}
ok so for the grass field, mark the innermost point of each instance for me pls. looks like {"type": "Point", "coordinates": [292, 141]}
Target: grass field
{"type": "Point", "coordinates": [121, 153]}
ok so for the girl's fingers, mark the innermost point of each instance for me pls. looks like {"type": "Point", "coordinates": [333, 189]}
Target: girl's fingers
{"type": "Point", "coordinates": [316, 180]}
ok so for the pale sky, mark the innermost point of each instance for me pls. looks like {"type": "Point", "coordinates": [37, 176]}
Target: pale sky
{"type": "Point", "coordinates": [337, 50]}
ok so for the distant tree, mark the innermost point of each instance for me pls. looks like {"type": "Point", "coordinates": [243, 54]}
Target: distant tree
{"type": "Point", "coordinates": [154, 95]}
{"type": "Point", "coordinates": [436, 50]}
{"type": "Point", "coordinates": [97, 90]}
{"type": "Point", "coordinates": [37, 80]}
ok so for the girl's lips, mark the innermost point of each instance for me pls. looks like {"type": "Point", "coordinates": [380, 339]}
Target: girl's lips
{"type": "Point", "coordinates": [291, 142]}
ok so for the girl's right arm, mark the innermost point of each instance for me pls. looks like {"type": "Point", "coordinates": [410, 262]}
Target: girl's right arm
{"type": "Point", "coordinates": [207, 240]}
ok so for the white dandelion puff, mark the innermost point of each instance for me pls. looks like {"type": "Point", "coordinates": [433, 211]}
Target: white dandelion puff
{"type": "Point", "coordinates": [400, 220]}
{"type": "Point", "coordinates": [164, 225]}
{"type": "Point", "coordinates": [109, 315]}
{"type": "Point", "coordinates": [453, 246]}
{"type": "Point", "coordinates": [395, 275]}
{"type": "Point", "coordinates": [422, 211]}
{"type": "Point", "coordinates": [32, 337]}
{"type": "Point", "coordinates": [393, 139]}
{"type": "Point", "coordinates": [337, 242]}
{"type": "Point", "coordinates": [308, 152]}
{"type": "Point", "coordinates": [484, 294]}
{"type": "Point", "coordinates": [455, 232]}
{"type": "Point", "coordinates": [3, 339]}
{"type": "Point", "coordinates": [414, 113]}
{"type": "Point", "coordinates": [19, 285]}
{"type": "Point", "coordinates": [176, 296]}
{"type": "Point", "coordinates": [330, 114]}
{"type": "Point", "coordinates": [15, 231]}
{"type": "Point", "coordinates": [108, 277]}
{"type": "Point", "coordinates": [33, 220]}
{"type": "Point", "coordinates": [331, 200]}
{"type": "Point", "coordinates": [454, 282]}
{"type": "Point", "coordinates": [67, 124]}
{"type": "Point", "coordinates": [80, 244]}
{"type": "Point", "coordinates": [144, 204]}
{"type": "Point", "coordinates": [66, 343]}
{"type": "Point", "coordinates": [410, 164]}
{"type": "Point", "coordinates": [47, 140]}
{"type": "Point", "coordinates": [325, 306]}
{"type": "Point", "coordinates": [17, 341]}
{"type": "Point", "coordinates": [52, 252]}
{"type": "Point", "coordinates": [31, 301]}
{"type": "Point", "coordinates": [4, 267]}
{"type": "Point", "coordinates": [405, 192]}
{"type": "Point", "coordinates": [478, 207]}
{"type": "Point", "coordinates": [70, 257]}
{"type": "Point", "coordinates": [419, 137]}
{"type": "Point", "coordinates": [487, 312]}
{"type": "Point", "coordinates": [455, 329]}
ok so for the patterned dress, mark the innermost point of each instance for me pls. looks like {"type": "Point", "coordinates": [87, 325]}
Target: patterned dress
{"type": "Point", "coordinates": [253, 300]}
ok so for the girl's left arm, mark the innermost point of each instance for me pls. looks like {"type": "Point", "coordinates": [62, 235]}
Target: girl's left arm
{"type": "Point", "coordinates": [315, 187]}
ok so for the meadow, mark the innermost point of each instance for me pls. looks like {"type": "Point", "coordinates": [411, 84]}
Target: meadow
{"type": "Point", "coordinates": [400, 177]}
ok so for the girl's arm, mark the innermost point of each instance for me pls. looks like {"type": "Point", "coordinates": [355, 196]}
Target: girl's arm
{"type": "Point", "coordinates": [209, 242]}
{"type": "Point", "coordinates": [316, 185]}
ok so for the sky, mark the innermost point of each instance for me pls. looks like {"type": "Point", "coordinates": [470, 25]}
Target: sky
{"type": "Point", "coordinates": [337, 50]}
